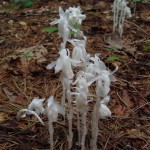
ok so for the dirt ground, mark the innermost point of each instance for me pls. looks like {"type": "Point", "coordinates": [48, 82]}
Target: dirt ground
{"type": "Point", "coordinates": [25, 52]}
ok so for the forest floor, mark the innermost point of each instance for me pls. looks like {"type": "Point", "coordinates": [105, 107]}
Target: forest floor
{"type": "Point", "coordinates": [25, 52]}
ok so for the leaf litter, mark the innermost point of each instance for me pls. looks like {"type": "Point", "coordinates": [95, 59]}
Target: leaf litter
{"type": "Point", "coordinates": [26, 52]}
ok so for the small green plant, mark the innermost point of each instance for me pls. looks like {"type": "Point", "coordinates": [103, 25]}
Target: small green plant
{"type": "Point", "coordinates": [113, 58]}
{"type": "Point", "coordinates": [135, 1]}
{"type": "Point", "coordinates": [50, 30]}
{"type": "Point", "coordinates": [23, 3]}
{"type": "Point", "coordinates": [77, 26]}
{"type": "Point", "coordinates": [146, 48]}
{"type": "Point", "coordinates": [25, 55]}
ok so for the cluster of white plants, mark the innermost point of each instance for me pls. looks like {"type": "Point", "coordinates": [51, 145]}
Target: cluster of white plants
{"type": "Point", "coordinates": [120, 10]}
{"type": "Point", "coordinates": [76, 84]}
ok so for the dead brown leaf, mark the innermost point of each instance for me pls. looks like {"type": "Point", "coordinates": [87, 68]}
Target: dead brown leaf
{"type": "Point", "coordinates": [3, 116]}
{"type": "Point", "coordinates": [115, 42]}
{"type": "Point", "coordinates": [27, 56]}
{"type": "Point", "coordinates": [23, 24]}
{"type": "Point", "coordinates": [126, 98]}
{"type": "Point", "coordinates": [9, 94]}
{"type": "Point", "coordinates": [119, 110]}
{"type": "Point", "coordinates": [131, 50]}
{"type": "Point", "coordinates": [134, 132]}
{"type": "Point", "coordinates": [34, 52]}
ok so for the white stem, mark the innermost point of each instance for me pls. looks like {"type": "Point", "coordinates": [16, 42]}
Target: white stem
{"type": "Point", "coordinates": [70, 137]}
{"type": "Point", "coordinates": [78, 127]}
{"type": "Point", "coordinates": [84, 130]}
{"type": "Point", "coordinates": [94, 125]}
{"type": "Point", "coordinates": [63, 97]}
{"type": "Point", "coordinates": [70, 116]}
{"type": "Point", "coordinates": [51, 131]}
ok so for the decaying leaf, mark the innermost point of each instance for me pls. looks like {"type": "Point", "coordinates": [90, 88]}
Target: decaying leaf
{"type": "Point", "coordinates": [23, 24]}
{"type": "Point", "coordinates": [115, 42]}
{"type": "Point", "coordinates": [3, 116]}
{"type": "Point", "coordinates": [34, 52]}
{"type": "Point", "coordinates": [126, 98]}
{"type": "Point", "coordinates": [120, 110]}
{"type": "Point", "coordinates": [24, 57]}
{"type": "Point", "coordinates": [131, 50]}
{"type": "Point", "coordinates": [9, 94]}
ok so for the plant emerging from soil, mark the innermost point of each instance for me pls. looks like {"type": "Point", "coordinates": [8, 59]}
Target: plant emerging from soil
{"type": "Point", "coordinates": [78, 73]}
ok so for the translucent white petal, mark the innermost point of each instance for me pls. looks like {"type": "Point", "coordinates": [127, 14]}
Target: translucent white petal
{"type": "Point", "coordinates": [36, 115]}
{"type": "Point", "coordinates": [21, 114]}
{"type": "Point", "coordinates": [28, 112]}
{"type": "Point", "coordinates": [74, 61]}
{"type": "Point", "coordinates": [55, 22]}
{"type": "Point", "coordinates": [51, 65]}
{"type": "Point", "coordinates": [105, 100]}
{"type": "Point", "coordinates": [104, 111]}
{"type": "Point", "coordinates": [61, 12]}
{"type": "Point", "coordinates": [59, 65]}
{"type": "Point", "coordinates": [37, 106]}
{"type": "Point", "coordinates": [53, 109]}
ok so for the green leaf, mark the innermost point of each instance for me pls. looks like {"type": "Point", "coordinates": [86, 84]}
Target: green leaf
{"type": "Point", "coordinates": [26, 4]}
{"type": "Point", "coordinates": [110, 49]}
{"type": "Point", "coordinates": [16, 1]}
{"type": "Point", "coordinates": [135, 1]}
{"type": "Point", "coordinates": [50, 30]}
{"type": "Point", "coordinates": [25, 55]}
{"type": "Point", "coordinates": [112, 58]}
{"type": "Point", "coordinates": [73, 33]}
{"type": "Point", "coordinates": [146, 48]}
{"type": "Point", "coordinates": [77, 26]}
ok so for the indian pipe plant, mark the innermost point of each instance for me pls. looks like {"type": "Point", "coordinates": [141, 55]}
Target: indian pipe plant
{"type": "Point", "coordinates": [76, 84]}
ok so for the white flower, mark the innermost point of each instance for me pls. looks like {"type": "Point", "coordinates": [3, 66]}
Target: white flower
{"type": "Point", "coordinates": [103, 82]}
{"type": "Point", "coordinates": [120, 10]}
{"type": "Point", "coordinates": [81, 99]}
{"type": "Point", "coordinates": [66, 83]}
{"type": "Point", "coordinates": [67, 21]}
{"type": "Point", "coordinates": [63, 25]}
{"type": "Point", "coordinates": [63, 63]}
{"type": "Point", "coordinates": [103, 85]}
{"type": "Point", "coordinates": [96, 67]}
{"type": "Point", "coordinates": [81, 82]}
{"type": "Point", "coordinates": [23, 112]}
{"type": "Point", "coordinates": [53, 109]}
{"type": "Point", "coordinates": [105, 100]}
{"type": "Point", "coordinates": [79, 51]}
{"type": "Point", "coordinates": [37, 106]}
{"type": "Point", "coordinates": [75, 16]}
{"type": "Point", "coordinates": [104, 111]}
{"type": "Point", "coordinates": [128, 12]}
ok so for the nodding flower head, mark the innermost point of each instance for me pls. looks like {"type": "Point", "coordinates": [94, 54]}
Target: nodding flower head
{"type": "Point", "coordinates": [96, 67]}
{"type": "Point", "coordinates": [81, 99]}
{"type": "Point", "coordinates": [35, 108]}
{"type": "Point", "coordinates": [53, 109]}
{"type": "Point", "coordinates": [79, 51]}
{"type": "Point", "coordinates": [81, 82]}
{"type": "Point", "coordinates": [104, 111]}
{"type": "Point", "coordinates": [75, 16]}
{"type": "Point", "coordinates": [37, 105]}
{"type": "Point", "coordinates": [63, 63]}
